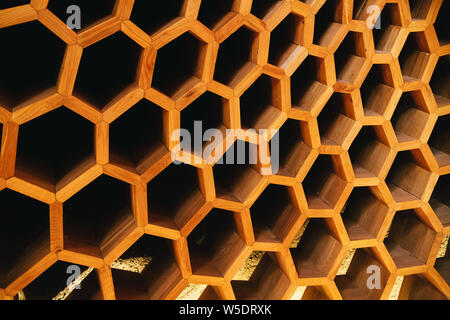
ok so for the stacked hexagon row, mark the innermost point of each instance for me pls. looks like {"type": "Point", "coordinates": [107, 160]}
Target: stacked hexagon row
{"type": "Point", "coordinates": [88, 119]}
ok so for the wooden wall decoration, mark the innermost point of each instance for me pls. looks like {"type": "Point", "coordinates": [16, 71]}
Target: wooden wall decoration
{"type": "Point", "coordinates": [85, 169]}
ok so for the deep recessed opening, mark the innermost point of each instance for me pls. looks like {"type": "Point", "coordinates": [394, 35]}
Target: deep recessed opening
{"type": "Point", "coordinates": [407, 180]}
{"type": "Point", "coordinates": [349, 57]}
{"type": "Point", "coordinates": [93, 216]}
{"type": "Point", "coordinates": [270, 217]}
{"type": "Point", "coordinates": [409, 240]}
{"type": "Point", "coordinates": [151, 19]}
{"type": "Point", "coordinates": [363, 214]}
{"type": "Point", "coordinates": [417, 287]}
{"type": "Point", "coordinates": [92, 11]}
{"type": "Point", "coordinates": [327, 22]}
{"type": "Point", "coordinates": [414, 56]}
{"type": "Point", "coordinates": [30, 234]}
{"type": "Point", "coordinates": [440, 201]}
{"type": "Point", "coordinates": [441, 24]}
{"type": "Point", "coordinates": [285, 40]}
{"type": "Point", "coordinates": [386, 36]}
{"type": "Point", "coordinates": [316, 253]}
{"type": "Point", "coordinates": [377, 90]}
{"type": "Point", "coordinates": [334, 124]}
{"type": "Point", "coordinates": [440, 81]}
{"type": "Point", "coordinates": [98, 81]}
{"type": "Point", "coordinates": [368, 152]}
{"type": "Point", "coordinates": [137, 135]}
{"type": "Point", "coordinates": [410, 119]}
{"type": "Point", "coordinates": [174, 209]}
{"type": "Point", "coordinates": [213, 11]}
{"type": "Point", "coordinates": [235, 175]}
{"type": "Point", "coordinates": [355, 285]}
{"type": "Point", "coordinates": [215, 244]}
{"type": "Point", "coordinates": [257, 103]}
{"type": "Point", "coordinates": [13, 3]}
{"type": "Point", "coordinates": [419, 8]}
{"type": "Point", "coordinates": [234, 53]}
{"type": "Point", "coordinates": [442, 265]}
{"type": "Point", "coordinates": [261, 8]}
{"type": "Point", "coordinates": [54, 148]}
{"type": "Point", "coordinates": [23, 78]}
{"type": "Point", "coordinates": [323, 186]}
{"type": "Point", "coordinates": [440, 141]}
{"type": "Point", "coordinates": [170, 80]}
{"type": "Point", "coordinates": [157, 275]}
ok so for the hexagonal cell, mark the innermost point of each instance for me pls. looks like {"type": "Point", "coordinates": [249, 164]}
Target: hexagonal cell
{"type": "Point", "coordinates": [440, 81]}
{"type": "Point", "coordinates": [137, 135]}
{"type": "Point", "coordinates": [209, 109]}
{"type": "Point", "coordinates": [414, 56]}
{"type": "Point", "coordinates": [174, 207]}
{"type": "Point", "coordinates": [285, 40]}
{"type": "Point", "coordinates": [234, 54]}
{"type": "Point", "coordinates": [263, 7]}
{"type": "Point", "coordinates": [267, 281]}
{"type": "Point", "coordinates": [363, 215]}
{"type": "Point", "coordinates": [377, 90]}
{"type": "Point", "coordinates": [93, 11]}
{"type": "Point", "coordinates": [175, 81]}
{"type": "Point", "coordinates": [440, 141]}
{"type": "Point", "coordinates": [24, 237]}
{"type": "Point", "coordinates": [151, 20]}
{"type": "Point", "coordinates": [54, 284]}
{"type": "Point", "coordinates": [97, 82]}
{"type": "Point", "coordinates": [317, 252]}
{"type": "Point", "coordinates": [419, 8]}
{"type": "Point", "coordinates": [349, 57]}
{"type": "Point", "coordinates": [258, 103]}
{"type": "Point", "coordinates": [354, 284]}
{"type": "Point", "coordinates": [440, 201]}
{"type": "Point", "coordinates": [13, 3]}
{"type": "Point", "coordinates": [417, 287]}
{"type": "Point", "coordinates": [386, 36]}
{"type": "Point", "coordinates": [323, 185]}
{"type": "Point", "coordinates": [215, 244]}
{"type": "Point", "coordinates": [158, 273]}
{"type": "Point", "coordinates": [442, 265]}
{"type": "Point", "coordinates": [94, 216]}
{"type": "Point", "coordinates": [327, 22]}
{"type": "Point", "coordinates": [307, 85]}
{"type": "Point", "coordinates": [49, 153]}
{"type": "Point", "coordinates": [409, 240]}
{"type": "Point", "coordinates": [23, 78]}
{"type": "Point", "coordinates": [235, 176]}
{"type": "Point", "coordinates": [212, 12]}
{"type": "Point", "coordinates": [441, 24]}
{"type": "Point", "coordinates": [407, 179]}
{"type": "Point", "coordinates": [335, 125]}
{"type": "Point", "coordinates": [369, 152]}
{"type": "Point", "coordinates": [410, 117]}
{"type": "Point", "coordinates": [293, 151]}
{"type": "Point", "coordinates": [271, 220]}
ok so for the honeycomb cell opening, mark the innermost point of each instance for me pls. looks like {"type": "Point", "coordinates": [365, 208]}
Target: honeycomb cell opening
{"type": "Point", "coordinates": [307, 87]}
{"type": "Point", "coordinates": [417, 287]}
{"type": "Point", "coordinates": [354, 285]}
{"type": "Point", "coordinates": [409, 240]}
{"type": "Point", "coordinates": [440, 202]}
{"type": "Point", "coordinates": [369, 153]}
{"type": "Point", "coordinates": [377, 90]}
{"type": "Point", "coordinates": [154, 20]}
{"type": "Point", "coordinates": [174, 208]}
{"type": "Point", "coordinates": [439, 141]}
{"type": "Point", "coordinates": [49, 153]}
{"type": "Point", "coordinates": [316, 253]}
{"type": "Point", "coordinates": [23, 78]}
{"type": "Point", "coordinates": [385, 37]}
{"type": "Point", "coordinates": [270, 218]}
{"type": "Point", "coordinates": [414, 56]}
{"type": "Point", "coordinates": [176, 81]}
{"type": "Point", "coordinates": [30, 234]}
{"type": "Point", "coordinates": [349, 57]}
{"type": "Point", "coordinates": [97, 82]}
{"type": "Point", "coordinates": [136, 137]}
{"type": "Point", "coordinates": [95, 217]}
{"type": "Point", "coordinates": [441, 24]}
{"type": "Point", "coordinates": [153, 281]}
{"type": "Point", "coordinates": [235, 54]}
{"type": "Point", "coordinates": [363, 215]}
{"type": "Point", "coordinates": [13, 3]}
{"type": "Point", "coordinates": [419, 9]}
{"type": "Point", "coordinates": [440, 81]}
{"type": "Point", "coordinates": [443, 266]}
{"type": "Point", "coordinates": [92, 11]}
{"type": "Point", "coordinates": [235, 174]}
{"type": "Point", "coordinates": [213, 12]}
{"type": "Point", "coordinates": [215, 244]}
{"type": "Point", "coordinates": [327, 22]}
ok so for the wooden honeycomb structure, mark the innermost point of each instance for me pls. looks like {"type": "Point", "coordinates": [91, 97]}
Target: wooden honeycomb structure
{"type": "Point", "coordinates": [86, 173]}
